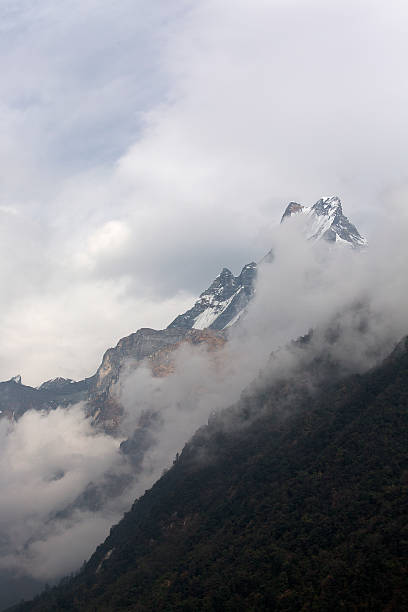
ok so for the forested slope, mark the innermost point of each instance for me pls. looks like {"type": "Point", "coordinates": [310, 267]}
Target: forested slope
{"type": "Point", "coordinates": [261, 512]}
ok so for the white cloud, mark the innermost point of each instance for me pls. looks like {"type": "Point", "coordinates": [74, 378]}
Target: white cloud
{"type": "Point", "coordinates": [105, 243]}
{"type": "Point", "coordinates": [146, 146]}
{"type": "Point", "coordinates": [47, 461]}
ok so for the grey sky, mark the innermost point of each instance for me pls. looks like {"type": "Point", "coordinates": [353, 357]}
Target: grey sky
{"type": "Point", "coordinates": [145, 145]}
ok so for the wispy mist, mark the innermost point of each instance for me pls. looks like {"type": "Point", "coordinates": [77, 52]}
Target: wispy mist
{"type": "Point", "coordinates": [47, 460]}
{"type": "Point", "coordinates": [355, 301]}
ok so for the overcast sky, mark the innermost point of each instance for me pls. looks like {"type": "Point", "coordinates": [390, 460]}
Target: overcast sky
{"type": "Point", "coordinates": [147, 144]}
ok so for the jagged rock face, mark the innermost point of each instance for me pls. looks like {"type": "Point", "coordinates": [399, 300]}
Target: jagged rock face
{"type": "Point", "coordinates": [220, 304]}
{"type": "Point", "coordinates": [162, 362]}
{"type": "Point", "coordinates": [325, 220]}
{"type": "Point", "coordinates": [136, 347]}
{"type": "Point", "coordinates": [155, 348]}
{"type": "Point", "coordinates": [225, 300]}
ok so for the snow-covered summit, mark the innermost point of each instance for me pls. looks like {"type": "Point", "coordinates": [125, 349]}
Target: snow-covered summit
{"type": "Point", "coordinates": [223, 303]}
{"type": "Point", "coordinates": [325, 220]}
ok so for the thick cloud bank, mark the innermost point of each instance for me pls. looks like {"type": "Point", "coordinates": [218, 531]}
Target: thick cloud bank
{"type": "Point", "coordinates": [52, 463]}
{"type": "Point", "coordinates": [208, 115]}
{"type": "Point", "coordinates": [47, 460]}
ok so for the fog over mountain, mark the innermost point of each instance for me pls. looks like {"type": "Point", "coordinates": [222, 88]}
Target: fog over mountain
{"type": "Point", "coordinates": [143, 145]}
{"type": "Point", "coordinates": [148, 153]}
{"type": "Point", "coordinates": [49, 459]}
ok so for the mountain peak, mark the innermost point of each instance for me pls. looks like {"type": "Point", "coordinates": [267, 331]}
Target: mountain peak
{"type": "Point", "coordinates": [292, 208]}
{"type": "Point", "coordinates": [223, 301]}
{"type": "Point", "coordinates": [328, 205]}
{"type": "Point", "coordinates": [222, 304]}
{"type": "Point", "coordinates": [325, 220]}
{"type": "Point", "coordinates": [225, 274]}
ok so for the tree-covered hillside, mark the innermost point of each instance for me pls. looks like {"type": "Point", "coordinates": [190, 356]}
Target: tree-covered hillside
{"type": "Point", "coordinates": [261, 511]}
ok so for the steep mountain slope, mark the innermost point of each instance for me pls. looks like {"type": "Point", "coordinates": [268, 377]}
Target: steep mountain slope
{"type": "Point", "coordinates": [299, 505]}
{"type": "Point", "coordinates": [221, 305]}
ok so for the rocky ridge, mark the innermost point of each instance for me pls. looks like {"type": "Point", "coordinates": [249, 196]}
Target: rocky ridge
{"type": "Point", "coordinates": [222, 304]}
{"type": "Point", "coordinates": [155, 348]}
